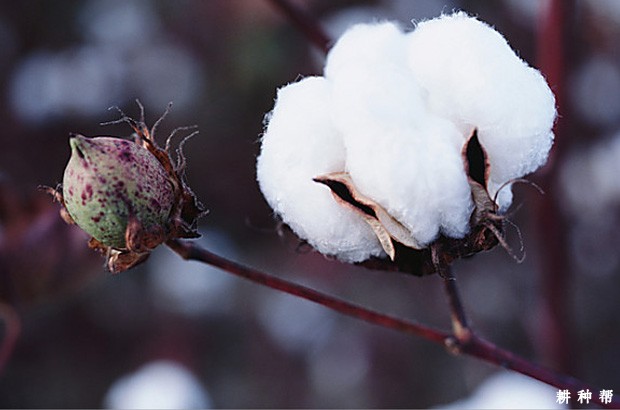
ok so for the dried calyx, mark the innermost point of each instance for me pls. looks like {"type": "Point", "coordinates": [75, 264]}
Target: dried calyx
{"type": "Point", "coordinates": [130, 196]}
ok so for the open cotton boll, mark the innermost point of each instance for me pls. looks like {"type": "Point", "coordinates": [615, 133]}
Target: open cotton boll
{"type": "Point", "coordinates": [473, 77]}
{"type": "Point", "coordinates": [392, 117]}
{"type": "Point", "coordinates": [397, 153]}
{"type": "Point", "coordinates": [299, 144]}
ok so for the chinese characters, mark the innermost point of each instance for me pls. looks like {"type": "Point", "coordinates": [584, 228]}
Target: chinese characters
{"type": "Point", "coordinates": [584, 396]}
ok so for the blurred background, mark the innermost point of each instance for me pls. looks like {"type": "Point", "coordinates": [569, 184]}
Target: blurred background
{"type": "Point", "coordinates": [181, 334]}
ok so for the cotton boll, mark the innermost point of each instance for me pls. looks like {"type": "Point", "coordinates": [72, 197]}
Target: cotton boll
{"type": "Point", "coordinates": [473, 77]}
{"type": "Point", "coordinates": [397, 153]}
{"type": "Point", "coordinates": [423, 183]}
{"type": "Point", "coordinates": [394, 112]}
{"type": "Point", "coordinates": [299, 144]}
{"type": "Point", "coordinates": [448, 179]}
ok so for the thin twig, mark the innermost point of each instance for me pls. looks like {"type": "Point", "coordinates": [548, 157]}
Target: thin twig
{"type": "Point", "coordinates": [460, 323]}
{"type": "Point", "coordinates": [471, 345]}
{"type": "Point", "coordinates": [305, 22]}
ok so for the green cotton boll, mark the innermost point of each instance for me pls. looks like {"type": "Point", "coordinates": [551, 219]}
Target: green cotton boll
{"type": "Point", "coordinates": [108, 179]}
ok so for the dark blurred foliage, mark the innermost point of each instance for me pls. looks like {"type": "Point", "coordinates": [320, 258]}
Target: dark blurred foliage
{"type": "Point", "coordinates": [63, 63]}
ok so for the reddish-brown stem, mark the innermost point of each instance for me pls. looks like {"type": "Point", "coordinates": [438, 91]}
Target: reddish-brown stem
{"type": "Point", "coordinates": [188, 250]}
{"type": "Point", "coordinates": [554, 320]}
{"type": "Point", "coordinates": [459, 343]}
{"type": "Point", "coordinates": [12, 329]}
{"type": "Point", "coordinates": [306, 23]}
{"type": "Point", "coordinates": [489, 352]}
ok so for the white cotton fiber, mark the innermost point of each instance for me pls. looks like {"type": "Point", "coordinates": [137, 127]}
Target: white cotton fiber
{"type": "Point", "coordinates": [395, 110]}
{"type": "Point", "coordinates": [473, 77]}
{"type": "Point", "coordinates": [299, 144]}
{"type": "Point", "coordinates": [366, 45]}
{"type": "Point", "coordinates": [397, 153]}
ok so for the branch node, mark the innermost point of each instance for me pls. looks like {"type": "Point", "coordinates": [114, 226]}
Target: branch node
{"type": "Point", "coordinates": [452, 345]}
{"type": "Point", "coordinates": [462, 333]}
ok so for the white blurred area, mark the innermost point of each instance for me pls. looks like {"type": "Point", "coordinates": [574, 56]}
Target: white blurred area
{"type": "Point", "coordinates": [605, 9]}
{"type": "Point", "coordinates": [509, 390]}
{"type": "Point", "coordinates": [124, 55]}
{"type": "Point", "coordinates": [295, 325]}
{"type": "Point", "coordinates": [595, 89]}
{"type": "Point", "coordinates": [159, 384]}
{"type": "Point", "coordinates": [193, 288]}
{"type": "Point", "coordinates": [591, 197]}
{"type": "Point", "coordinates": [589, 177]}
{"type": "Point", "coordinates": [339, 370]}
{"type": "Point", "coordinates": [50, 85]}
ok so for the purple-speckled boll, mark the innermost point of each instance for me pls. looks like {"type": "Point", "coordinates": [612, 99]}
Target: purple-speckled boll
{"type": "Point", "coordinates": [106, 179]}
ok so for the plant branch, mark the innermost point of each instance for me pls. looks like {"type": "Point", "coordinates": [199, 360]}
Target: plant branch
{"type": "Point", "coordinates": [461, 342]}
{"type": "Point", "coordinates": [188, 250]}
{"type": "Point", "coordinates": [305, 22]}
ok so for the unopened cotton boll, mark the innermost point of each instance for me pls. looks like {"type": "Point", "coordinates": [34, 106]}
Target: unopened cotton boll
{"type": "Point", "coordinates": [392, 117]}
{"type": "Point", "coordinates": [299, 144]}
{"type": "Point", "coordinates": [473, 78]}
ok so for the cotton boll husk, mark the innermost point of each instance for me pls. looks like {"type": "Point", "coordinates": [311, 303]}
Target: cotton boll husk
{"type": "Point", "coordinates": [475, 79]}
{"type": "Point", "coordinates": [298, 145]}
{"type": "Point", "coordinates": [397, 153]}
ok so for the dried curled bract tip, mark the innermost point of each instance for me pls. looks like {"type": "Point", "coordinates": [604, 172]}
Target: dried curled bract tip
{"type": "Point", "coordinates": [387, 229]}
{"type": "Point", "coordinates": [130, 196]}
